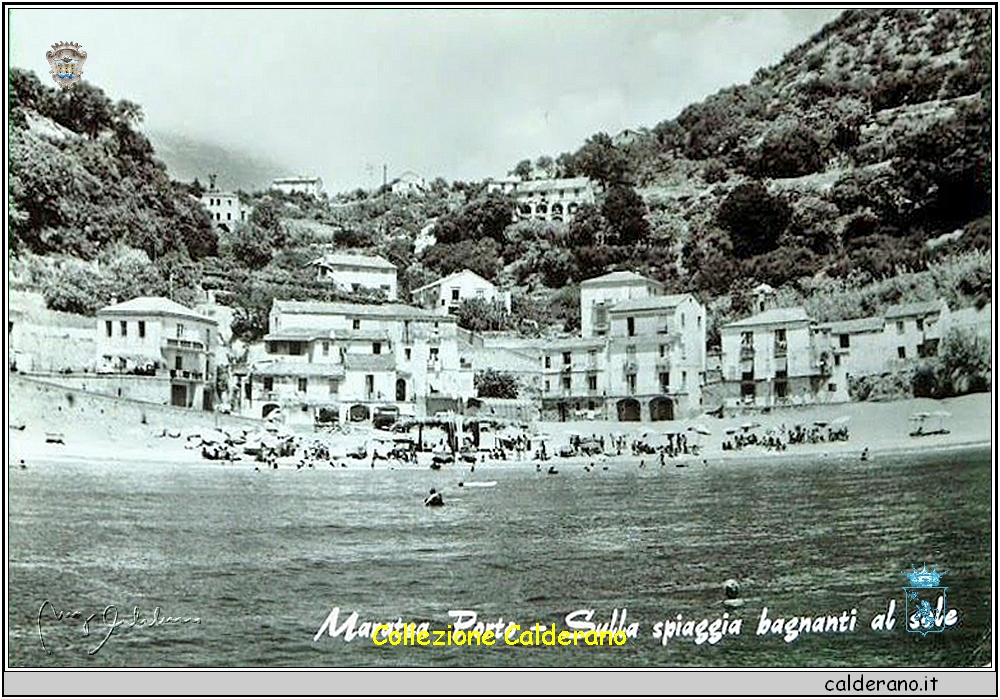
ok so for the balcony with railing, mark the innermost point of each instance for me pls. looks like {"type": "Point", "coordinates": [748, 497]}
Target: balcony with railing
{"type": "Point", "coordinates": [179, 343]}
{"type": "Point", "coordinates": [746, 351]}
{"type": "Point", "coordinates": [781, 348]}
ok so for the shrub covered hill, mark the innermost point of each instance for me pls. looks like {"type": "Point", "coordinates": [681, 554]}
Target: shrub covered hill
{"type": "Point", "coordinates": [853, 174]}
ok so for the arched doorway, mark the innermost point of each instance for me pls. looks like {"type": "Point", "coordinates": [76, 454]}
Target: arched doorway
{"type": "Point", "coordinates": [400, 390]}
{"type": "Point", "coordinates": [629, 410]}
{"type": "Point", "coordinates": [661, 408]}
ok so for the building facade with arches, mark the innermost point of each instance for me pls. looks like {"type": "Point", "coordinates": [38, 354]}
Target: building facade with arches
{"type": "Point", "coordinates": [546, 200]}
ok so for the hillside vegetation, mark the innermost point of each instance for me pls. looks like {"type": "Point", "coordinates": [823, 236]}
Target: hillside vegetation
{"type": "Point", "coordinates": [857, 168]}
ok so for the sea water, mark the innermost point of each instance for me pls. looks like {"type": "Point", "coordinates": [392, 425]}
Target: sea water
{"type": "Point", "coordinates": [246, 566]}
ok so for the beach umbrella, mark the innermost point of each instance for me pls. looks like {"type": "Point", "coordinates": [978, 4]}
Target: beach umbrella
{"type": "Point", "coordinates": [750, 425]}
{"type": "Point", "coordinates": [842, 420]}
{"type": "Point", "coordinates": [700, 429]}
{"type": "Point", "coordinates": [821, 423]}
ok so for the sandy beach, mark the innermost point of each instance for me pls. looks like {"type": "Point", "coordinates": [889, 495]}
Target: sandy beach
{"type": "Point", "coordinates": [877, 427]}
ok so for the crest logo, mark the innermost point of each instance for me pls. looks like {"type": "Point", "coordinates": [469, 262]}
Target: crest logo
{"type": "Point", "coordinates": [925, 601]}
{"type": "Point", "coordinates": [66, 60]}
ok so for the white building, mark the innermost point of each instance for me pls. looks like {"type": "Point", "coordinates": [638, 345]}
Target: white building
{"type": "Point", "coordinates": [776, 358]}
{"type": "Point", "coordinates": [409, 183]}
{"type": "Point", "coordinates": [225, 209]}
{"type": "Point", "coordinates": [546, 200]}
{"type": "Point", "coordinates": [600, 294]}
{"type": "Point", "coordinates": [913, 330]}
{"type": "Point", "coordinates": [345, 360]}
{"type": "Point", "coordinates": [312, 186]}
{"type": "Point", "coordinates": [656, 357]}
{"type": "Point", "coordinates": [354, 273]}
{"type": "Point", "coordinates": [446, 294]}
{"type": "Point", "coordinates": [164, 351]}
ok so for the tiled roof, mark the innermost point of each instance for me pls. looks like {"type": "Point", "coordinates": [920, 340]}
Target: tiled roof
{"type": "Point", "coordinates": [776, 316]}
{"type": "Point", "coordinates": [454, 275]}
{"type": "Point", "coordinates": [362, 310]}
{"type": "Point", "coordinates": [341, 259]}
{"type": "Point", "coordinates": [619, 278]}
{"type": "Point", "coordinates": [154, 305]}
{"type": "Point", "coordinates": [288, 368]}
{"type": "Point", "coordinates": [855, 325]}
{"type": "Point", "coordinates": [920, 308]}
{"type": "Point", "coordinates": [651, 303]}
{"type": "Point", "coordinates": [369, 362]}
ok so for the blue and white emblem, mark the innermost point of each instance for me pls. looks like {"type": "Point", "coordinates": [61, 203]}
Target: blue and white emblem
{"type": "Point", "coordinates": [66, 62]}
{"type": "Point", "coordinates": [925, 601]}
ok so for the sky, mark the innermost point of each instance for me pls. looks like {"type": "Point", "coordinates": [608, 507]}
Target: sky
{"type": "Point", "coordinates": [459, 93]}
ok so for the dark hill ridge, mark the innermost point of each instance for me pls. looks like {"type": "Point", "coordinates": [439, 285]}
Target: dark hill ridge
{"type": "Point", "coordinates": [841, 161]}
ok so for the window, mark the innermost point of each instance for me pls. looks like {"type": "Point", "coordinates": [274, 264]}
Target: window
{"type": "Point", "coordinates": [900, 327]}
{"type": "Point", "coordinates": [303, 385]}
{"type": "Point", "coordinates": [630, 322]}
{"type": "Point", "coordinates": [408, 353]}
{"type": "Point", "coordinates": [123, 326]}
{"type": "Point", "coordinates": [567, 382]}
{"type": "Point", "coordinates": [107, 327]}
{"type": "Point", "coordinates": [548, 362]}
{"type": "Point", "coordinates": [831, 387]}
{"type": "Point", "coordinates": [268, 383]}
{"type": "Point", "coordinates": [699, 322]}
{"type": "Point", "coordinates": [746, 339]}
{"type": "Point", "coordinates": [630, 353]}
{"type": "Point", "coordinates": [178, 362]}
{"type": "Point", "coordinates": [684, 380]}
{"type": "Point", "coordinates": [218, 217]}
{"type": "Point", "coordinates": [920, 324]}
{"type": "Point", "coordinates": [548, 386]}
{"type": "Point", "coordinates": [376, 348]}
{"type": "Point", "coordinates": [682, 320]}
{"type": "Point", "coordinates": [142, 328]}
{"type": "Point", "coordinates": [229, 216]}
{"type": "Point", "coordinates": [836, 360]}
{"type": "Point", "coordinates": [567, 357]}
{"type": "Point", "coordinates": [663, 350]}
{"type": "Point", "coordinates": [356, 324]}
{"type": "Point", "coordinates": [845, 341]}
{"type": "Point", "coordinates": [592, 356]}
{"type": "Point", "coordinates": [901, 352]}
{"type": "Point", "coordinates": [369, 385]}
{"type": "Point", "coordinates": [333, 386]}
{"type": "Point", "coordinates": [294, 348]}
{"type": "Point", "coordinates": [434, 354]}
{"type": "Point", "coordinates": [180, 330]}
{"type": "Point", "coordinates": [664, 382]}
{"type": "Point", "coordinates": [326, 349]}
{"type": "Point", "coordinates": [591, 383]}
{"type": "Point", "coordinates": [630, 381]}
{"type": "Point", "coordinates": [454, 294]}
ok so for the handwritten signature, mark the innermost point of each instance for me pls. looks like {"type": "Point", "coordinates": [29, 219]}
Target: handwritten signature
{"type": "Point", "coordinates": [107, 622]}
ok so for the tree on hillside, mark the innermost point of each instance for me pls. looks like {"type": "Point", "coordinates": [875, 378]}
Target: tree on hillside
{"type": "Point", "coordinates": [754, 219]}
{"type": "Point", "coordinates": [588, 227]}
{"type": "Point", "coordinates": [599, 160]}
{"type": "Point", "coordinates": [493, 383]}
{"type": "Point", "coordinates": [479, 315]}
{"type": "Point", "coordinates": [522, 170]}
{"type": "Point", "coordinates": [790, 153]}
{"type": "Point", "coordinates": [481, 256]}
{"type": "Point", "coordinates": [625, 212]}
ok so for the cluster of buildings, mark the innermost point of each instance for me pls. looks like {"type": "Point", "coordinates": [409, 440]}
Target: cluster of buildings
{"type": "Point", "coordinates": [640, 355]}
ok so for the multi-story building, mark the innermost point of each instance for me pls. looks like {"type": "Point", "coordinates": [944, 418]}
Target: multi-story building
{"type": "Point", "coordinates": [353, 273]}
{"type": "Point", "coordinates": [857, 347]}
{"type": "Point", "coordinates": [342, 360]}
{"type": "Point", "coordinates": [913, 330]}
{"type": "Point", "coordinates": [600, 294]}
{"type": "Point", "coordinates": [546, 200]}
{"type": "Point", "coordinates": [409, 183]}
{"type": "Point", "coordinates": [446, 294]}
{"type": "Point", "coordinates": [774, 358]}
{"type": "Point", "coordinates": [225, 209]}
{"type": "Point", "coordinates": [167, 349]}
{"type": "Point", "coordinates": [656, 357]}
{"type": "Point", "coordinates": [574, 374]}
{"type": "Point", "coordinates": [312, 186]}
